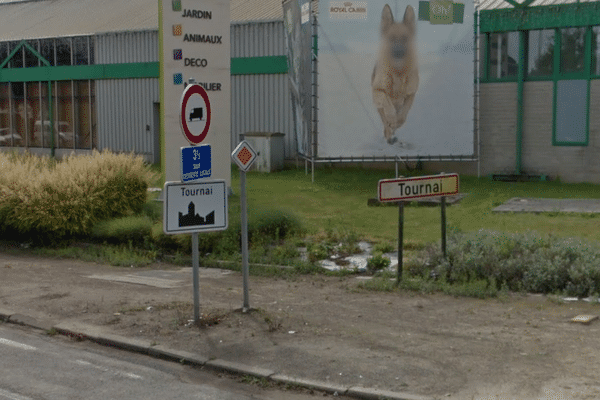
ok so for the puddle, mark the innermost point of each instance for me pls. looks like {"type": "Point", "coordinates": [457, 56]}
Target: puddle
{"type": "Point", "coordinates": [357, 261]}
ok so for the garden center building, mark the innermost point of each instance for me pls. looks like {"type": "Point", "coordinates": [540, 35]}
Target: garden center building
{"type": "Point", "coordinates": [539, 76]}
{"type": "Point", "coordinates": [88, 71]}
{"type": "Point", "coordinates": [99, 62]}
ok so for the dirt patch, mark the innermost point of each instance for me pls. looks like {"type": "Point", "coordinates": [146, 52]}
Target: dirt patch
{"type": "Point", "coordinates": [325, 328]}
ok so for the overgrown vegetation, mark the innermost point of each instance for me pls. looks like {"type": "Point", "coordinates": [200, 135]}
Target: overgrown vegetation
{"type": "Point", "coordinates": [100, 206]}
{"type": "Point", "coordinates": [522, 262]}
{"type": "Point", "coordinates": [45, 201]}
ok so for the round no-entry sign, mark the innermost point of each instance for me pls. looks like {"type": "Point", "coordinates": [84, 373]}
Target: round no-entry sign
{"type": "Point", "coordinates": [195, 113]}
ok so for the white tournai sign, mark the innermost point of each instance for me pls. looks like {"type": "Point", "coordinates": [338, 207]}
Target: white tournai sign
{"type": "Point", "coordinates": [195, 207]}
{"type": "Point", "coordinates": [417, 187]}
{"type": "Point", "coordinates": [195, 43]}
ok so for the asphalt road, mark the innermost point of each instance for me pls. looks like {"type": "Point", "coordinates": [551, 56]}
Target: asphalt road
{"type": "Point", "coordinates": [35, 366]}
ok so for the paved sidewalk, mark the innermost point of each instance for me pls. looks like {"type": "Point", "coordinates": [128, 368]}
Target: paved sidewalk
{"type": "Point", "coordinates": [323, 333]}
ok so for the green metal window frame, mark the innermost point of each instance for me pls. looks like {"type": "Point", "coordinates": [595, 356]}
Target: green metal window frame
{"type": "Point", "coordinates": [533, 78]}
{"type": "Point", "coordinates": [488, 78]}
{"type": "Point", "coordinates": [556, 142]}
{"type": "Point", "coordinates": [557, 76]}
{"type": "Point", "coordinates": [523, 18]}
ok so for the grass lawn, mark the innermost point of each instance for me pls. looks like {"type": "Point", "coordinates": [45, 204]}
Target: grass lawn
{"type": "Point", "coordinates": [337, 200]}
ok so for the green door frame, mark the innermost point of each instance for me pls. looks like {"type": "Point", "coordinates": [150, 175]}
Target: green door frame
{"type": "Point", "coordinates": [24, 44]}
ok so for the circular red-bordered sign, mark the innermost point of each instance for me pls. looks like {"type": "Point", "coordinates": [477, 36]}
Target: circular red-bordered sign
{"type": "Point", "coordinates": [195, 113]}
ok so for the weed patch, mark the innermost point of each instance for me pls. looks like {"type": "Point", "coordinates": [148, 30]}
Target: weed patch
{"type": "Point", "coordinates": [518, 262]}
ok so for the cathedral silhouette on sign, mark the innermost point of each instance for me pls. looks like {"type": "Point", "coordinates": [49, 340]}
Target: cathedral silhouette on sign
{"type": "Point", "coordinates": [193, 219]}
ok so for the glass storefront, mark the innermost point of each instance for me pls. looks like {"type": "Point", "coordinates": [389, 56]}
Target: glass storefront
{"type": "Point", "coordinates": [25, 115]}
{"type": "Point", "coordinates": [25, 109]}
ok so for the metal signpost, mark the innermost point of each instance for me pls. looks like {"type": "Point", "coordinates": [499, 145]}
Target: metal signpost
{"type": "Point", "coordinates": [193, 206]}
{"type": "Point", "coordinates": [244, 155]}
{"type": "Point", "coordinates": [405, 189]}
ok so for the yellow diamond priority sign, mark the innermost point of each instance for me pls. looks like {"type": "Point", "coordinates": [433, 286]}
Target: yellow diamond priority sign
{"type": "Point", "coordinates": [244, 155]}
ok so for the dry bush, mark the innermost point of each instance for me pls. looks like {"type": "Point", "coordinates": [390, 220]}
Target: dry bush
{"type": "Point", "coordinates": [48, 198]}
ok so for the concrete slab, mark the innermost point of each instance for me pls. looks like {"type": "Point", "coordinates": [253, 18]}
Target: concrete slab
{"type": "Point", "coordinates": [37, 323]}
{"type": "Point", "coordinates": [5, 314]}
{"type": "Point", "coordinates": [518, 204]}
{"type": "Point", "coordinates": [377, 394]}
{"type": "Point", "coordinates": [78, 330]}
{"type": "Point", "coordinates": [125, 343]}
{"type": "Point", "coordinates": [311, 384]}
{"type": "Point", "coordinates": [239, 368]}
{"type": "Point", "coordinates": [160, 351]}
{"type": "Point", "coordinates": [142, 280]}
{"type": "Point", "coordinates": [429, 201]}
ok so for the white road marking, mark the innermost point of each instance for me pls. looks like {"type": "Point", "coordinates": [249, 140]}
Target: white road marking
{"type": "Point", "coordinates": [16, 344]}
{"type": "Point", "coordinates": [12, 396]}
{"type": "Point", "coordinates": [104, 369]}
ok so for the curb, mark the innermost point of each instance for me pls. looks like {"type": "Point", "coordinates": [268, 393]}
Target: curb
{"type": "Point", "coordinates": [94, 334]}
{"type": "Point", "coordinates": [25, 320]}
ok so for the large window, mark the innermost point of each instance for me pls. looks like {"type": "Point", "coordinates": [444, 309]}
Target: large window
{"type": "Point", "coordinates": [77, 50]}
{"type": "Point", "coordinates": [47, 50]}
{"type": "Point", "coordinates": [540, 59]}
{"type": "Point", "coordinates": [572, 50]}
{"type": "Point", "coordinates": [29, 117]}
{"type": "Point", "coordinates": [571, 112]}
{"type": "Point", "coordinates": [63, 51]}
{"type": "Point", "coordinates": [595, 50]}
{"type": "Point", "coordinates": [569, 57]}
{"type": "Point", "coordinates": [503, 55]}
{"type": "Point", "coordinates": [25, 115]}
{"type": "Point", "coordinates": [31, 59]}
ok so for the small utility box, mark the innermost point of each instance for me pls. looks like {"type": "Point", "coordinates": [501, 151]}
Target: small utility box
{"type": "Point", "coordinates": [269, 147]}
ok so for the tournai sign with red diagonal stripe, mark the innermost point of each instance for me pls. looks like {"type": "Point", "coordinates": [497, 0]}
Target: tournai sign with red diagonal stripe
{"type": "Point", "coordinates": [417, 187]}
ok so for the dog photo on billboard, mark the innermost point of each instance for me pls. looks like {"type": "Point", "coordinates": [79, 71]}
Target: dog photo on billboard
{"type": "Point", "coordinates": [395, 78]}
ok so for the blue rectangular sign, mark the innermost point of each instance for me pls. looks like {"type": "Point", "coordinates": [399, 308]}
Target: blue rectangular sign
{"type": "Point", "coordinates": [195, 163]}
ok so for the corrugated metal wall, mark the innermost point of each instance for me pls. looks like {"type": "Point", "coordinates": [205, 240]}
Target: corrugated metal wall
{"type": "Point", "coordinates": [125, 107]}
{"type": "Point", "coordinates": [260, 102]}
{"type": "Point", "coordinates": [126, 47]}
{"type": "Point", "coordinates": [126, 115]}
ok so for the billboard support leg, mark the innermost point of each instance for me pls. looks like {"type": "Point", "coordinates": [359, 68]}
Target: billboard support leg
{"type": "Point", "coordinates": [400, 239]}
{"type": "Point", "coordinates": [245, 272]}
{"type": "Point", "coordinates": [444, 226]}
{"type": "Point", "coordinates": [195, 268]}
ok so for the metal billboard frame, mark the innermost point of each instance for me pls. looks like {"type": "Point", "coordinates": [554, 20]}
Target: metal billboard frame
{"type": "Point", "coordinates": [313, 132]}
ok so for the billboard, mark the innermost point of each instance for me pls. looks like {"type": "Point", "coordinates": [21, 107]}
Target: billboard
{"type": "Point", "coordinates": [396, 78]}
{"type": "Point", "coordinates": [195, 43]}
{"type": "Point", "coordinates": [299, 47]}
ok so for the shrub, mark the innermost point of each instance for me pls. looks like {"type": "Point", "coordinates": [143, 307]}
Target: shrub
{"type": "Point", "coordinates": [273, 224]}
{"type": "Point", "coordinates": [317, 251]}
{"type": "Point", "coordinates": [377, 263]}
{"type": "Point", "coordinates": [40, 196]}
{"type": "Point", "coordinates": [383, 247]}
{"type": "Point", "coordinates": [529, 262]}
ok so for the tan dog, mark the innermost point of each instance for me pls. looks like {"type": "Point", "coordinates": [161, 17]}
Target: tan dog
{"type": "Point", "coordinates": [395, 78]}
